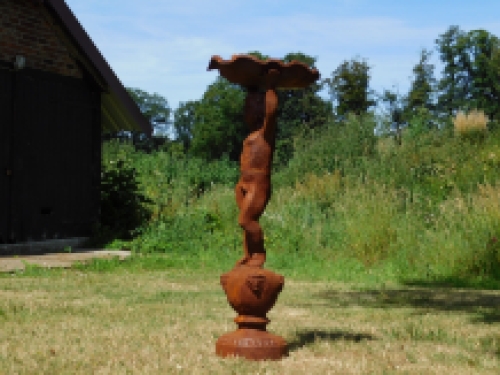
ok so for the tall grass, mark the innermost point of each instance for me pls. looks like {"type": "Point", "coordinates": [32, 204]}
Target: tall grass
{"type": "Point", "coordinates": [471, 125]}
{"type": "Point", "coordinates": [348, 204]}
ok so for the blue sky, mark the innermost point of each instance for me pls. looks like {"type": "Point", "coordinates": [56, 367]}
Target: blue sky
{"type": "Point", "coordinates": [164, 46]}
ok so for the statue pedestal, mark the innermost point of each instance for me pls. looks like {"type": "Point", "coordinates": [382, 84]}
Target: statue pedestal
{"type": "Point", "coordinates": [252, 292]}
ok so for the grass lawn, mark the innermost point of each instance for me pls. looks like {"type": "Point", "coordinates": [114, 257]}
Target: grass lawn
{"type": "Point", "coordinates": [132, 321]}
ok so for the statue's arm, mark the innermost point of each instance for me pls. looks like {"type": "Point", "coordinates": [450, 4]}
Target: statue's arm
{"type": "Point", "coordinates": [269, 126]}
{"type": "Point", "coordinates": [271, 104]}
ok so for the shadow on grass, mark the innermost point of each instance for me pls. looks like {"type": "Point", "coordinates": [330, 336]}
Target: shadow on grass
{"type": "Point", "coordinates": [484, 306]}
{"type": "Point", "coordinates": [484, 282]}
{"type": "Point", "coordinates": [305, 338]}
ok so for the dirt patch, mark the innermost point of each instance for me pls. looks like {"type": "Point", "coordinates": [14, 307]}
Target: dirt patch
{"type": "Point", "coordinates": [51, 260]}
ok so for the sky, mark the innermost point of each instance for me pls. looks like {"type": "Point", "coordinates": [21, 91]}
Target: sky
{"type": "Point", "coordinates": [164, 46]}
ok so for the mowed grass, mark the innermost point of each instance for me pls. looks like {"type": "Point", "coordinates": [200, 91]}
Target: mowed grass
{"type": "Point", "coordinates": [374, 239]}
{"type": "Point", "coordinates": [132, 321]}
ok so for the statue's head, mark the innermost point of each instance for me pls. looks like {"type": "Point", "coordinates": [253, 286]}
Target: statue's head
{"type": "Point", "coordinates": [255, 109]}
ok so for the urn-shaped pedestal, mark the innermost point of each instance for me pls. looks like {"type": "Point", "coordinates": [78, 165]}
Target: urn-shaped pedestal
{"type": "Point", "coordinates": [252, 292]}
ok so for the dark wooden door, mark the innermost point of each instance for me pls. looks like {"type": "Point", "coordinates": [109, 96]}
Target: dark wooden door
{"type": "Point", "coordinates": [5, 168]}
{"type": "Point", "coordinates": [54, 157]}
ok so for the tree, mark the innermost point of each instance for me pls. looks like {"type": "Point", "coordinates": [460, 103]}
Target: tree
{"type": "Point", "coordinates": [349, 88]}
{"type": "Point", "coordinates": [258, 55]}
{"type": "Point", "coordinates": [216, 123]}
{"type": "Point", "coordinates": [302, 106]}
{"type": "Point", "coordinates": [472, 71]}
{"type": "Point", "coordinates": [394, 109]}
{"type": "Point", "coordinates": [184, 122]}
{"type": "Point", "coordinates": [299, 109]}
{"type": "Point", "coordinates": [482, 49]}
{"type": "Point", "coordinates": [219, 128]}
{"type": "Point", "coordinates": [453, 84]}
{"type": "Point", "coordinates": [422, 86]}
{"type": "Point", "coordinates": [155, 108]}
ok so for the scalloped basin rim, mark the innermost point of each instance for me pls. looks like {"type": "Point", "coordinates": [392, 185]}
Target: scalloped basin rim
{"type": "Point", "coordinates": [250, 72]}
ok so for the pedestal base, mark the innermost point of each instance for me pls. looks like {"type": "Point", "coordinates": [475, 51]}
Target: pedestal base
{"type": "Point", "coordinates": [251, 344]}
{"type": "Point", "coordinates": [252, 292]}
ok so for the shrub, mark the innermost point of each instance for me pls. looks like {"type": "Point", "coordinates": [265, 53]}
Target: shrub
{"type": "Point", "coordinates": [336, 146]}
{"type": "Point", "coordinates": [123, 205]}
{"type": "Point", "coordinates": [486, 261]}
{"type": "Point", "coordinates": [173, 181]}
{"type": "Point", "coordinates": [469, 225]}
{"type": "Point", "coordinates": [419, 124]}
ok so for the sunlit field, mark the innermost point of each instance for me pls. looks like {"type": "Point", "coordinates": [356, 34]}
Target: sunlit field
{"type": "Point", "coordinates": [390, 254]}
{"type": "Point", "coordinates": [116, 319]}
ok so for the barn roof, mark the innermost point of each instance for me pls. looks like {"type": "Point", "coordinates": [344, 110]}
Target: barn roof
{"type": "Point", "coordinates": [118, 109]}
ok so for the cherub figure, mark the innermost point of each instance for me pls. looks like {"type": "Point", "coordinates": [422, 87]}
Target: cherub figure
{"type": "Point", "coordinates": [253, 189]}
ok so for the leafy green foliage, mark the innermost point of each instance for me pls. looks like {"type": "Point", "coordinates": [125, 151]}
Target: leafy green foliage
{"type": "Point", "coordinates": [483, 68]}
{"type": "Point", "coordinates": [432, 192]}
{"type": "Point", "coordinates": [422, 87]}
{"type": "Point", "coordinates": [219, 128]}
{"type": "Point", "coordinates": [259, 55]}
{"type": "Point", "coordinates": [154, 107]}
{"type": "Point", "coordinates": [425, 209]}
{"type": "Point", "coordinates": [349, 86]}
{"type": "Point", "coordinates": [173, 181]}
{"type": "Point", "coordinates": [214, 125]}
{"type": "Point", "coordinates": [299, 110]}
{"type": "Point", "coordinates": [420, 121]}
{"type": "Point", "coordinates": [485, 261]}
{"type": "Point", "coordinates": [453, 84]}
{"type": "Point", "coordinates": [471, 71]}
{"type": "Point", "coordinates": [336, 146]}
{"type": "Point", "coordinates": [390, 120]}
{"type": "Point", "coordinates": [184, 122]}
{"type": "Point", "coordinates": [123, 205]}
{"type": "Point", "coordinates": [157, 110]}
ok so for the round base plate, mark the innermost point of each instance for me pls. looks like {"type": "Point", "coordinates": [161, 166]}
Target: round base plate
{"type": "Point", "coordinates": [251, 344]}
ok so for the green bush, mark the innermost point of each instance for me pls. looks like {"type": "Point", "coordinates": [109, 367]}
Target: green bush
{"type": "Point", "coordinates": [123, 205]}
{"type": "Point", "coordinates": [174, 181]}
{"type": "Point", "coordinates": [485, 262]}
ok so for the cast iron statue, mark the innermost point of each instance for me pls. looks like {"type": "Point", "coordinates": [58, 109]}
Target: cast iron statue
{"type": "Point", "coordinates": [250, 289]}
{"type": "Point", "coordinates": [254, 187]}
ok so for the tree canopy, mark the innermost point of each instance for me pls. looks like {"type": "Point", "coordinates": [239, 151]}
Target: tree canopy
{"type": "Point", "coordinates": [471, 74]}
{"type": "Point", "coordinates": [350, 87]}
{"type": "Point", "coordinates": [155, 108]}
{"type": "Point", "coordinates": [422, 86]}
{"type": "Point", "coordinates": [218, 127]}
{"type": "Point", "coordinates": [184, 122]}
{"type": "Point", "coordinates": [213, 125]}
{"type": "Point", "coordinates": [299, 109]}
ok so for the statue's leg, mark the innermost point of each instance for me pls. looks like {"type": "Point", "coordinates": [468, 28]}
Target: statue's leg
{"type": "Point", "coordinates": [240, 192]}
{"type": "Point", "coordinates": [252, 207]}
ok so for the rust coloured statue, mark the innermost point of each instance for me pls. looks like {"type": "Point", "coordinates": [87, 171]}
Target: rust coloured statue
{"type": "Point", "coordinates": [250, 289]}
{"type": "Point", "coordinates": [253, 190]}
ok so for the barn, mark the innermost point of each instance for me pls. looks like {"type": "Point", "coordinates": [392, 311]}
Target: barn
{"type": "Point", "coordinates": [58, 95]}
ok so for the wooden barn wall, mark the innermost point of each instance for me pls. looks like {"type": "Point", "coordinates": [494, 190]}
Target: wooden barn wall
{"type": "Point", "coordinates": [5, 124]}
{"type": "Point", "coordinates": [54, 156]}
